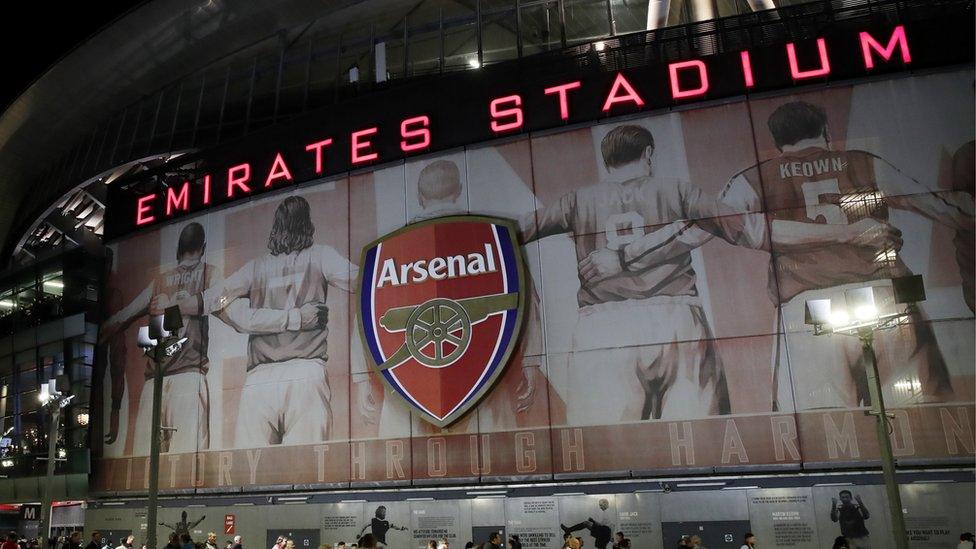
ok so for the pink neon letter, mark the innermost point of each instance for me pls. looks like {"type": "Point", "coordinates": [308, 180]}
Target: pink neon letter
{"type": "Point", "coordinates": [421, 133]}
{"type": "Point", "coordinates": [898, 39]}
{"type": "Point", "coordinates": [238, 181]}
{"type": "Point", "coordinates": [142, 207]}
{"type": "Point", "coordinates": [278, 170]}
{"type": "Point", "coordinates": [358, 145]}
{"type": "Point", "coordinates": [747, 69]}
{"type": "Point", "coordinates": [630, 95]}
{"type": "Point", "coordinates": [562, 90]}
{"type": "Point", "coordinates": [178, 201]}
{"type": "Point", "coordinates": [514, 112]}
{"type": "Point", "coordinates": [676, 91]}
{"type": "Point", "coordinates": [824, 69]}
{"type": "Point", "coordinates": [317, 147]}
{"type": "Point", "coordinates": [206, 189]}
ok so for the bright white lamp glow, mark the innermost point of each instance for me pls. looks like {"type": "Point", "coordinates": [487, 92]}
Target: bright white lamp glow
{"type": "Point", "coordinates": [598, 46]}
{"type": "Point", "coordinates": [474, 63]}
{"type": "Point", "coordinates": [839, 317]}
{"type": "Point", "coordinates": [866, 312]}
{"type": "Point", "coordinates": [44, 394]}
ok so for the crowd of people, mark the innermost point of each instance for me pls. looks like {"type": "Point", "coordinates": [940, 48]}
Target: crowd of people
{"type": "Point", "coordinates": [367, 541]}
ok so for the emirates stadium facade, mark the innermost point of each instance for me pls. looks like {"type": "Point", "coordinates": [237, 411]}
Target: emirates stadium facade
{"type": "Point", "coordinates": [436, 269]}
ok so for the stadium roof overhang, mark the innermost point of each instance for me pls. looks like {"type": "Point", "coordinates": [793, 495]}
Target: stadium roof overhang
{"type": "Point", "coordinates": [140, 52]}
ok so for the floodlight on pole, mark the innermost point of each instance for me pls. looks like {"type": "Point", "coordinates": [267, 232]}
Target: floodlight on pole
{"type": "Point", "coordinates": [860, 314]}
{"type": "Point", "coordinates": [160, 340]}
{"type": "Point", "coordinates": [54, 396]}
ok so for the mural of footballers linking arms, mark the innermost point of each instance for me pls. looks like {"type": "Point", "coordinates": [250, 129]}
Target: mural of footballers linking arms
{"type": "Point", "coordinates": [286, 394]}
{"type": "Point", "coordinates": [829, 230]}
{"type": "Point", "coordinates": [650, 328]}
{"type": "Point", "coordinates": [186, 395]}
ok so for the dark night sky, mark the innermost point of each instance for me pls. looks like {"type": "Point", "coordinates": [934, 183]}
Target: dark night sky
{"type": "Point", "coordinates": [38, 34]}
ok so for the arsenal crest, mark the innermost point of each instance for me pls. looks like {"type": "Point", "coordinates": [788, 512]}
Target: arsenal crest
{"type": "Point", "coordinates": [440, 311]}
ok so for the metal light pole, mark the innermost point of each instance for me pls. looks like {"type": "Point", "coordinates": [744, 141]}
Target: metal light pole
{"type": "Point", "coordinates": [827, 318]}
{"type": "Point", "coordinates": [54, 397]}
{"type": "Point", "coordinates": [154, 450]}
{"type": "Point", "coordinates": [866, 335]}
{"type": "Point", "coordinates": [160, 340]}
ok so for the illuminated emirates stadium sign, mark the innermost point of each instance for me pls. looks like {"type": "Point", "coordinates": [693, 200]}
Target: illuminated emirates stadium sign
{"type": "Point", "coordinates": [486, 108]}
{"type": "Point", "coordinates": [441, 305]}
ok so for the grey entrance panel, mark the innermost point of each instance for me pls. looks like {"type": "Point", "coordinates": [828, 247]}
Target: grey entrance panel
{"type": "Point", "coordinates": [719, 534]}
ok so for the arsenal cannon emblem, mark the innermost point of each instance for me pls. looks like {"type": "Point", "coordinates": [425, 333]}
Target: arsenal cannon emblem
{"type": "Point", "coordinates": [440, 310]}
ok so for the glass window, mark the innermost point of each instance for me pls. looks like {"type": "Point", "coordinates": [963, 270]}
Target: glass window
{"type": "Point", "coordinates": [631, 16]}
{"type": "Point", "coordinates": [499, 35]}
{"type": "Point", "coordinates": [461, 45]}
{"type": "Point", "coordinates": [586, 20]}
{"type": "Point", "coordinates": [424, 52]}
{"type": "Point", "coordinates": [7, 302]}
{"type": "Point", "coordinates": [52, 283]}
{"type": "Point", "coordinates": [540, 30]}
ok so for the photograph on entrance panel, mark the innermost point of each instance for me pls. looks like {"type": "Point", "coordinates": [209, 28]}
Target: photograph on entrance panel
{"type": "Point", "coordinates": [640, 261]}
{"type": "Point", "coordinates": [282, 308]}
{"type": "Point", "coordinates": [859, 191]}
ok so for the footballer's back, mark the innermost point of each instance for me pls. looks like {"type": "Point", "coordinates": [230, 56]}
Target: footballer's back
{"type": "Point", "coordinates": [612, 215]}
{"type": "Point", "coordinates": [822, 186]}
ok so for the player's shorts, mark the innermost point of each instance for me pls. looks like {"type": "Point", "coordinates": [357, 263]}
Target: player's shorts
{"type": "Point", "coordinates": [632, 354]}
{"type": "Point", "coordinates": [859, 543]}
{"type": "Point", "coordinates": [828, 371]}
{"type": "Point", "coordinates": [185, 408]}
{"type": "Point", "coordinates": [285, 403]}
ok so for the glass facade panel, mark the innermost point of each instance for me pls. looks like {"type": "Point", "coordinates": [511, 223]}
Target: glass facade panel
{"type": "Point", "coordinates": [540, 29]}
{"type": "Point", "coordinates": [586, 20]}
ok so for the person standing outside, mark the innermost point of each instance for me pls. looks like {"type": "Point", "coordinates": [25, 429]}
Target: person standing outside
{"type": "Point", "coordinates": [494, 541]}
{"type": "Point", "coordinates": [749, 541]}
{"type": "Point", "coordinates": [126, 542]}
{"type": "Point", "coordinates": [10, 542]}
{"type": "Point", "coordinates": [96, 541]}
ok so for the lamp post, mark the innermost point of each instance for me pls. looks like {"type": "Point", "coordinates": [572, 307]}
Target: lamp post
{"type": "Point", "coordinates": [159, 340]}
{"type": "Point", "coordinates": [860, 317]}
{"type": "Point", "coordinates": [54, 396]}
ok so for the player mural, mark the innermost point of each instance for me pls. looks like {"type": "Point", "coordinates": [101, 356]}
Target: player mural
{"type": "Point", "coordinates": [661, 268]}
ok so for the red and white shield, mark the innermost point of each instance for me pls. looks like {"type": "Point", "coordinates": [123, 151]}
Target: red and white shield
{"type": "Point", "coordinates": [441, 307]}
